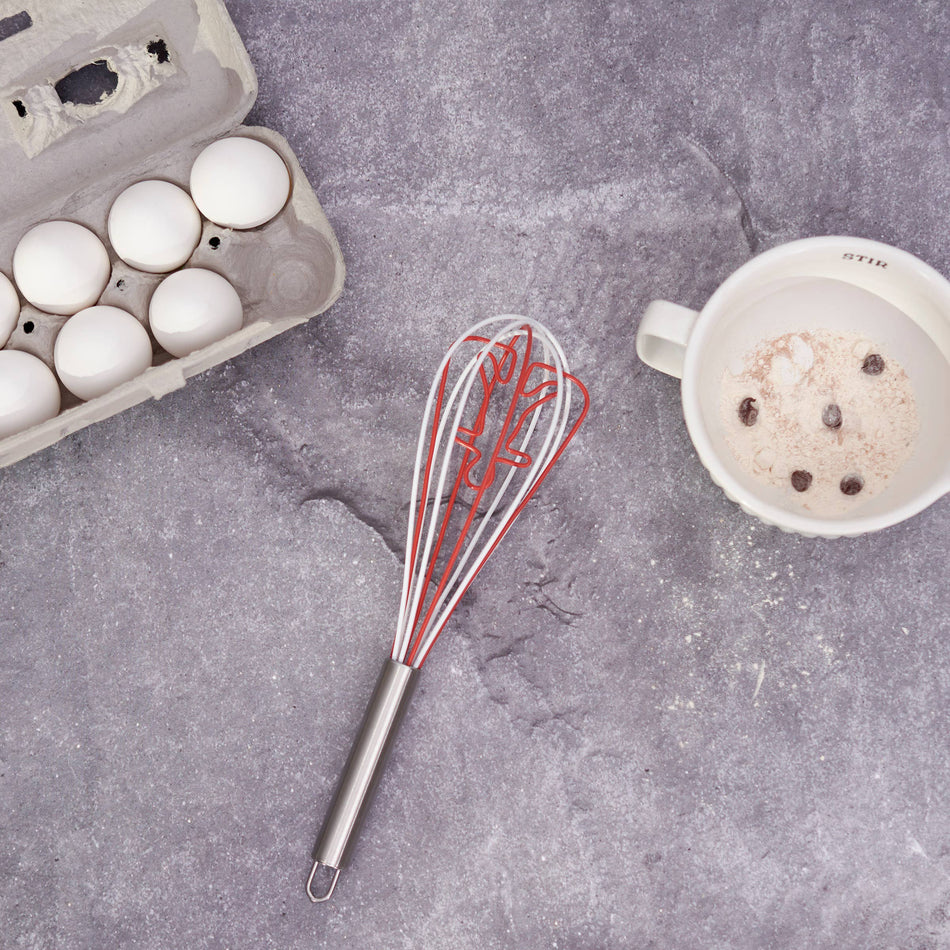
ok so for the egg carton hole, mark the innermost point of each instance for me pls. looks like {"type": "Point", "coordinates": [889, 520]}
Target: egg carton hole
{"type": "Point", "coordinates": [29, 326]}
{"type": "Point", "coordinates": [159, 49]}
{"type": "Point", "coordinates": [20, 108]}
{"type": "Point", "coordinates": [11, 25]}
{"type": "Point", "coordinates": [88, 85]}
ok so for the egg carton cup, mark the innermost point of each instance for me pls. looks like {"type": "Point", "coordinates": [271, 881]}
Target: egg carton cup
{"type": "Point", "coordinates": [180, 78]}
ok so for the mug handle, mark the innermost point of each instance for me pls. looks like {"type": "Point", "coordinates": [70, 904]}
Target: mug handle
{"type": "Point", "coordinates": [663, 334]}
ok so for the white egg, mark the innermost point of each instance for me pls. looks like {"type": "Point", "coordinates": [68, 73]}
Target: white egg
{"type": "Point", "coordinates": [29, 393]}
{"type": "Point", "coordinates": [192, 308]}
{"type": "Point", "coordinates": [154, 226]}
{"type": "Point", "coordinates": [61, 267]}
{"type": "Point", "coordinates": [239, 182]}
{"type": "Point", "coordinates": [9, 309]}
{"type": "Point", "coordinates": [99, 348]}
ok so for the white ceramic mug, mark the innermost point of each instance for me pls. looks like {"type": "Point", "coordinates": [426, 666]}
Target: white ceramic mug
{"type": "Point", "coordinates": [909, 317]}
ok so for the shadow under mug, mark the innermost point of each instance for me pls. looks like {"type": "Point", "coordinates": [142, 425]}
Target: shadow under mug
{"type": "Point", "coordinates": [825, 283]}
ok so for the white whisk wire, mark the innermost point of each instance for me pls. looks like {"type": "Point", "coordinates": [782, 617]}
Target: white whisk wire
{"type": "Point", "coordinates": [413, 590]}
{"type": "Point", "coordinates": [440, 450]}
{"type": "Point", "coordinates": [445, 608]}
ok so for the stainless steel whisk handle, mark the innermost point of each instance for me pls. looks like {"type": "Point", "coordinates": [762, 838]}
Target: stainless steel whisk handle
{"type": "Point", "coordinates": [381, 722]}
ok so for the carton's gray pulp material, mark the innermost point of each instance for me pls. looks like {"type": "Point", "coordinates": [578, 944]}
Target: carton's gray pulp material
{"type": "Point", "coordinates": [170, 77]}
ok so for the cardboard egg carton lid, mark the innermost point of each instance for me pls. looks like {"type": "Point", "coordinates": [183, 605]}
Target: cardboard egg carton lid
{"type": "Point", "coordinates": [94, 97]}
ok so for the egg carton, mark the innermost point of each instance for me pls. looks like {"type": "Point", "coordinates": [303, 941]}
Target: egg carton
{"type": "Point", "coordinates": [94, 97]}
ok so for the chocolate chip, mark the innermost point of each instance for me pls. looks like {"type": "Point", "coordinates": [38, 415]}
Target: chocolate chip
{"type": "Point", "coordinates": [831, 416]}
{"type": "Point", "coordinates": [748, 411]}
{"type": "Point", "coordinates": [873, 364]}
{"type": "Point", "coordinates": [801, 480]}
{"type": "Point", "coordinates": [851, 484]}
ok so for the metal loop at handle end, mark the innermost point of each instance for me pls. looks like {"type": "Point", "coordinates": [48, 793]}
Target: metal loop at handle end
{"type": "Point", "coordinates": [314, 899]}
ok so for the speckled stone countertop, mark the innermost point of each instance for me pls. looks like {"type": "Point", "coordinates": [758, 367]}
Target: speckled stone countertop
{"type": "Point", "coordinates": [654, 723]}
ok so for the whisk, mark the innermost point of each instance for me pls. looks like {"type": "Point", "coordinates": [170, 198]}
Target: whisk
{"type": "Point", "coordinates": [501, 410]}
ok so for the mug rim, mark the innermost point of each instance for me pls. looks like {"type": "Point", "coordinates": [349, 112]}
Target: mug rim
{"type": "Point", "coordinates": [752, 503]}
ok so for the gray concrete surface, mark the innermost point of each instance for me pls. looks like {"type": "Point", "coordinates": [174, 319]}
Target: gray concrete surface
{"type": "Point", "coordinates": [655, 723]}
